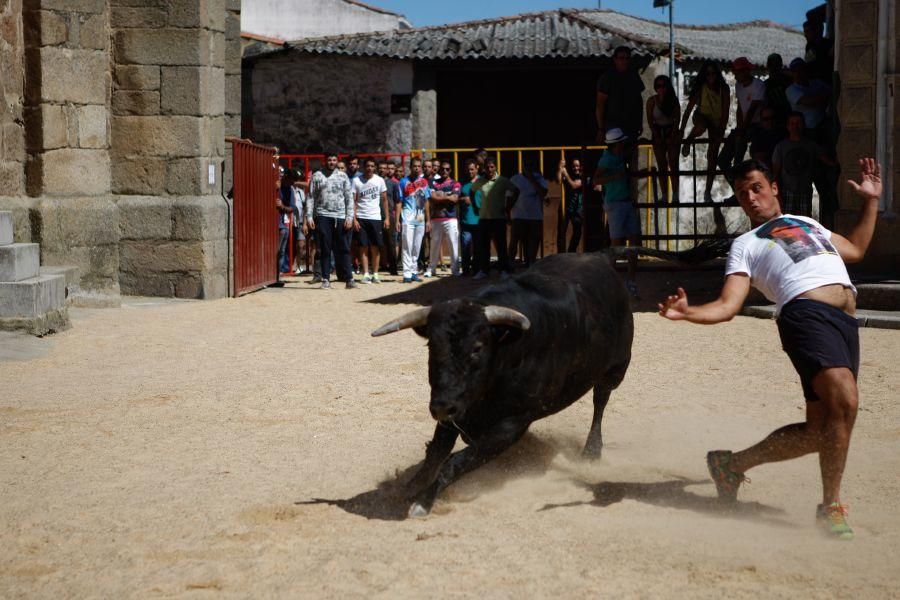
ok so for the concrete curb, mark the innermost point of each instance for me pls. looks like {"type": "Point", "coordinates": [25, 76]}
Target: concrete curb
{"type": "Point", "coordinates": [878, 319]}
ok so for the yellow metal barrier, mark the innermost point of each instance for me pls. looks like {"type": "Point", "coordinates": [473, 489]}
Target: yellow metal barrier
{"type": "Point", "coordinates": [652, 214]}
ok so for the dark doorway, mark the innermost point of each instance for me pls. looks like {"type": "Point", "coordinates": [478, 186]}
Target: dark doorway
{"type": "Point", "coordinates": [526, 103]}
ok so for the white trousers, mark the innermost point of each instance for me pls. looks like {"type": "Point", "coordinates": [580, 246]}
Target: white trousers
{"type": "Point", "coordinates": [411, 243]}
{"type": "Point", "coordinates": [440, 231]}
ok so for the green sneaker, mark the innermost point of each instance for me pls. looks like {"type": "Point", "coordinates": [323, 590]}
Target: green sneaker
{"type": "Point", "coordinates": [727, 481]}
{"type": "Point", "coordinates": [833, 521]}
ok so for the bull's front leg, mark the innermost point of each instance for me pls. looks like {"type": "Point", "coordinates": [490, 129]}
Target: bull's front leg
{"type": "Point", "coordinates": [594, 445]}
{"type": "Point", "coordinates": [437, 451]}
{"type": "Point", "coordinates": [490, 445]}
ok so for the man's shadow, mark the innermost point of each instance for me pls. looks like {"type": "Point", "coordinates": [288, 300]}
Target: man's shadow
{"type": "Point", "coordinates": [672, 494]}
{"type": "Point", "coordinates": [390, 500]}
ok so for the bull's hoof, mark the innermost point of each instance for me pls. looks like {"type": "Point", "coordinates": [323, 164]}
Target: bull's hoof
{"type": "Point", "coordinates": [416, 510]}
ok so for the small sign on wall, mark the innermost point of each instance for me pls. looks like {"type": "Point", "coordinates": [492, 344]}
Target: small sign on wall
{"type": "Point", "coordinates": [401, 104]}
{"type": "Point", "coordinates": [212, 174]}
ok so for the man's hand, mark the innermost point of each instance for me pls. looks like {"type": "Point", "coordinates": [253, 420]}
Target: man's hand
{"type": "Point", "coordinates": [348, 223]}
{"type": "Point", "coordinates": [355, 225]}
{"type": "Point", "coordinates": [869, 185]}
{"type": "Point", "coordinates": [311, 224]}
{"type": "Point", "coordinates": [428, 227]}
{"type": "Point", "coordinates": [386, 224]}
{"type": "Point", "coordinates": [398, 226]}
{"type": "Point", "coordinates": [674, 307]}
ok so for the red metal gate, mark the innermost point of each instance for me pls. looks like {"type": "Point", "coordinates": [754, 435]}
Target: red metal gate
{"type": "Point", "coordinates": [255, 216]}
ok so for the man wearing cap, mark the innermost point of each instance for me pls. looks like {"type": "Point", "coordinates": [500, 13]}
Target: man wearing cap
{"type": "Point", "coordinates": [612, 178]}
{"type": "Point", "coordinates": [750, 93]}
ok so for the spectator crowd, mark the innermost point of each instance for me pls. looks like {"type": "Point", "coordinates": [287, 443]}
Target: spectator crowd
{"type": "Point", "coordinates": [364, 215]}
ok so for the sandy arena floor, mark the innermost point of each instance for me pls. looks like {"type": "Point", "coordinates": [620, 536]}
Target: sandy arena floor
{"type": "Point", "coordinates": [161, 449]}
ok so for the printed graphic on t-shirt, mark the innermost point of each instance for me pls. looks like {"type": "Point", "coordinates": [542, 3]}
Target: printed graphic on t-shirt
{"type": "Point", "coordinates": [799, 239]}
{"type": "Point", "coordinates": [418, 190]}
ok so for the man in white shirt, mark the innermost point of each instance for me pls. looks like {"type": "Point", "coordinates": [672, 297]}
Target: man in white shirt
{"type": "Point", "coordinates": [799, 265]}
{"type": "Point", "coordinates": [370, 193]}
{"type": "Point", "coordinates": [528, 211]}
{"type": "Point", "coordinates": [750, 93]}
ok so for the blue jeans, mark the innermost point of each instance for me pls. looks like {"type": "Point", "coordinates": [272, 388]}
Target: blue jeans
{"type": "Point", "coordinates": [468, 246]}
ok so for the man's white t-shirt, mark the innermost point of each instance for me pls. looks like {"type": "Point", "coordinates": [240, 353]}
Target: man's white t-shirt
{"type": "Point", "coordinates": [787, 256]}
{"type": "Point", "coordinates": [368, 197]}
{"type": "Point", "coordinates": [755, 90]}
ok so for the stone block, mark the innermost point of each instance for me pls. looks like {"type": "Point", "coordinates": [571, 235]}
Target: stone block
{"type": "Point", "coordinates": [141, 176]}
{"type": "Point", "coordinates": [78, 76]}
{"type": "Point", "coordinates": [72, 172]}
{"type": "Point", "coordinates": [157, 135]}
{"type": "Point", "coordinates": [92, 126]}
{"type": "Point", "coordinates": [137, 77]}
{"type": "Point", "coordinates": [20, 207]}
{"type": "Point", "coordinates": [217, 135]}
{"type": "Point", "coordinates": [159, 257]}
{"type": "Point", "coordinates": [94, 32]}
{"type": "Point", "coordinates": [47, 28]}
{"type": "Point", "coordinates": [186, 177]}
{"type": "Point", "coordinates": [145, 218]}
{"type": "Point", "coordinates": [233, 126]}
{"type": "Point", "coordinates": [858, 105]}
{"type": "Point", "coordinates": [217, 15]}
{"type": "Point", "coordinates": [233, 6]}
{"type": "Point", "coordinates": [216, 97]}
{"type": "Point", "coordinates": [189, 13]}
{"type": "Point", "coordinates": [233, 26]}
{"type": "Point", "coordinates": [32, 297]}
{"type": "Point", "coordinates": [185, 90]}
{"type": "Point", "coordinates": [51, 322]}
{"type": "Point", "coordinates": [70, 274]}
{"type": "Point", "coordinates": [233, 94]}
{"type": "Point", "coordinates": [6, 227]}
{"type": "Point", "coordinates": [19, 261]}
{"type": "Point", "coordinates": [233, 57]}
{"type": "Point", "coordinates": [135, 102]}
{"type": "Point", "coordinates": [859, 20]}
{"type": "Point", "coordinates": [46, 127]}
{"type": "Point", "coordinates": [133, 17]}
{"type": "Point", "coordinates": [162, 46]}
{"type": "Point", "coordinates": [217, 50]}
{"type": "Point", "coordinates": [66, 224]}
{"type": "Point", "coordinates": [12, 178]}
{"type": "Point", "coordinates": [200, 218]}
{"type": "Point", "coordinates": [188, 286]}
{"type": "Point", "coordinates": [146, 284]}
{"type": "Point", "coordinates": [83, 6]}
{"type": "Point", "coordinates": [13, 142]}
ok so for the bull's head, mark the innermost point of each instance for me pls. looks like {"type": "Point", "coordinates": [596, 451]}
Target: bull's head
{"type": "Point", "coordinates": [462, 339]}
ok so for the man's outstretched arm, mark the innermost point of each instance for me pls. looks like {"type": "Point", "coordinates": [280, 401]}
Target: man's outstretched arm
{"type": "Point", "coordinates": [853, 247]}
{"type": "Point", "coordinates": [730, 301]}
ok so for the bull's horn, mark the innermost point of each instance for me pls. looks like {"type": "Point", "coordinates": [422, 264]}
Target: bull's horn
{"type": "Point", "coordinates": [415, 318]}
{"type": "Point", "coordinates": [500, 315]}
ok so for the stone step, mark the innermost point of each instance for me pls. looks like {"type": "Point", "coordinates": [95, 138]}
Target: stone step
{"type": "Point", "coordinates": [33, 297]}
{"type": "Point", "coordinates": [72, 277]}
{"type": "Point", "coordinates": [6, 228]}
{"type": "Point", "coordinates": [19, 261]}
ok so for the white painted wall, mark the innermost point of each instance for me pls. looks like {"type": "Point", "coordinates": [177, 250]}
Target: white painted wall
{"type": "Point", "coordinates": [297, 19]}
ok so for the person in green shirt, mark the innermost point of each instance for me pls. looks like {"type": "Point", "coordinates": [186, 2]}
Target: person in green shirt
{"type": "Point", "coordinates": [497, 193]}
{"type": "Point", "coordinates": [469, 208]}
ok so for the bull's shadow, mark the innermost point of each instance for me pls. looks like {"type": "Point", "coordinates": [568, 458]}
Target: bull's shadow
{"type": "Point", "coordinates": [672, 494]}
{"type": "Point", "coordinates": [390, 501]}
{"type": "Point", "coordinates": [437, 289]}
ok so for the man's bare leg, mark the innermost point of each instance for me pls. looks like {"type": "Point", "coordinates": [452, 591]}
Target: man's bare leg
{"type": "Point", "coordinates": [838, 392]}
{"type": "Point", "coordinates": [363, 260]}
{"type": "Point", "coordinates": [785, 443]}
{"type": "Point", "coordinates": [376, 259]}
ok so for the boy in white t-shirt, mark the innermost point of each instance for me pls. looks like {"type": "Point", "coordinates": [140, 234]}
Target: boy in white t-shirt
{"type": "Point", "coordinates": [370, 194]}
{"type": "Point", "coordinates": [799, 265]}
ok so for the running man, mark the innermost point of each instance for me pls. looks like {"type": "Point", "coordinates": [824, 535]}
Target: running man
{"type": "Point", "coordinates": [798, 264]}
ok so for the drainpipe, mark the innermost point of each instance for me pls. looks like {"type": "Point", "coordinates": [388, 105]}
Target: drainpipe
{"type": "Point", "coordinates": [886, 94]}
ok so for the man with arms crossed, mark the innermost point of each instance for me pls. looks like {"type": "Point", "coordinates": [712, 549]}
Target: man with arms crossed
{"type": "Point", "coordinates": [799, 265]}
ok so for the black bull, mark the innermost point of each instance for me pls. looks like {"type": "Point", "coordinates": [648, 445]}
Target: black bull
{"type": "Point", "coordinates": [515, 352]}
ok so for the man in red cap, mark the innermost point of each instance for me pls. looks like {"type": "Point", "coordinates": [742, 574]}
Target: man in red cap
{"type": "Point", "coordinates": [751, 94]}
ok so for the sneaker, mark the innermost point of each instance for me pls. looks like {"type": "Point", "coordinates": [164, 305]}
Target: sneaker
{"type": "Point", "coordinates": [480, 275]}
{"type": "Point", "coordinates": [326, 285]}
{"type": "Point", "coordinates": [427, 273]}
{"type": "Point", "coordinates": [727, 481]}
{"type": "Point", "coordinates": [367, 278]}
{"type": "Point", "coordinates": [376, 278]}
{"type": "Point", "coordinates": [352, 285]}
{"type": "Point", "coordinates": [415, 277]}
{"type": "Point", "coordinates": [407, 280]}
{"type": "Point", "coordinates": [833, 520]}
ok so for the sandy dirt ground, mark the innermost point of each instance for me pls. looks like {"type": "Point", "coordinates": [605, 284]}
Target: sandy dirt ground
{"type": "Point", "coordinates": [165, 449]}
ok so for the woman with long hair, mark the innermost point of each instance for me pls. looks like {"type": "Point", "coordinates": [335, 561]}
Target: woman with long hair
{"type": "Point", "coordinates": [663, 115]}
{"type": "Point", "coordinates": [712, 97]}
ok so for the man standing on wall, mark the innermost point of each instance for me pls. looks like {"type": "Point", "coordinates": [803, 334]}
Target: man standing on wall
{"type": "Point", "coordinates": [619, 102]}
{"type": "Point", "coordinates": [329, 212]}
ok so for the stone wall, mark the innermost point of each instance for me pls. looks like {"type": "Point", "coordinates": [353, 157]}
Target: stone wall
{"type": "Point", "coordinates": [858, 69]}
{"type": "Point", "coordinates": [310, 103]}
{"type": "Point", "coordinates": [112, 139]}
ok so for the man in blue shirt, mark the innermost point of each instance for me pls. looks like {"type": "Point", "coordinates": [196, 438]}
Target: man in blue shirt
{"type": "Point", "coordinates": [413, 218]}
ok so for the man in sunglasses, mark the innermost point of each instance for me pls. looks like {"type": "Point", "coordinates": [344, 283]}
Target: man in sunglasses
{"type": "Point", "coordinates": [444, 226]}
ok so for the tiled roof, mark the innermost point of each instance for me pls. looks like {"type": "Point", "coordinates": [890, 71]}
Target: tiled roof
{"type": "Point", "coordinates": [563, 34]}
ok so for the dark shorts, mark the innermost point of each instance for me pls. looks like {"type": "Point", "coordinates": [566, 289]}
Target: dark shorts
{"type": "Point", "coordinates": [370, 232]}
{"type": "Point", "coordinates": [623, 219]}
{"type": "Point", "coordinates": [818, 336]}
